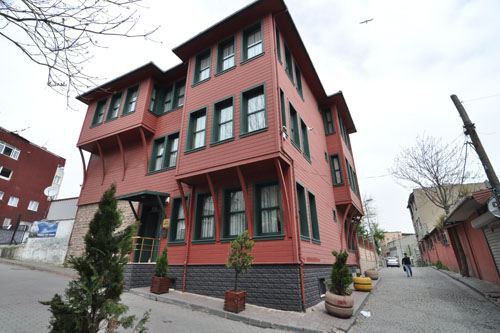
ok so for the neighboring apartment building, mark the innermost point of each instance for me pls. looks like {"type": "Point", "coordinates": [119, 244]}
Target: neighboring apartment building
{"type": "Point", "coordinates": [407, 243]}
{"type": "Point", "coordinates": [389, 237]}
{"type": "Point", "coordinates": [240, 136]}
{"type": "Point", "coordinates": [26, 170]}
{"type": "Point", "coordinates": [425, 215]}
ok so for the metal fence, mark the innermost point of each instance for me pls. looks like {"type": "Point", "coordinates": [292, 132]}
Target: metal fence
{"type": "Point", "coordinates": [13, 236]}
{"type": "Point", "coordinates": [13, 228]}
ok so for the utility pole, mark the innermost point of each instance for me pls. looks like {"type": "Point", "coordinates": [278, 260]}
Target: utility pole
{"type": "Point", "coordinates": [470, 130]}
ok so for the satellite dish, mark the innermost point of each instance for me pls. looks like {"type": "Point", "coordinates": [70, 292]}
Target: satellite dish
{"type": "Point", "coordinates": [51, 191]}
{"type": "Point", "coordinates": [493, 207]}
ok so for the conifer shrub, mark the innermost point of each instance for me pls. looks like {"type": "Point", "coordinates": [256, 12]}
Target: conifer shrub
{"type": "Point", "coordinates": [91, 302]}
{"type": "Point", "coordinates": [161, 267]}
{"type": "Point", "coordinates": [341, 277]}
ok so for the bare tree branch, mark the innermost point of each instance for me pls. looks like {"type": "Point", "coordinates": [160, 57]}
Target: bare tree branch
{"type": "Point", "coordinates": [59, 34]}
{"type": "Point", "coordinates": [434, 167]}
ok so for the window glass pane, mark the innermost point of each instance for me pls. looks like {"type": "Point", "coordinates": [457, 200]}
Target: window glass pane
{"type": "Point", "coordinates": [159, 151]}
{"type": "Point", "coordinates": [181, 225]}
{"type": "Point", "coordinates": [13, 201]}
{"type": "Point", "coordinates": [174, 146]}
{"type": "Point", "coordinates": [236, 213]}
{"type": "Point", "coordinates": [167, 106]}
{"type": "Point", "coordinates": [228, 56]}
{"type": "Point", "coordinates": [269, 203]}
{"type": "Point", "coordinates": [254, 43]}
{"type": "Point", "coordinates": [180, 88]}
{"type": "Point", "coordinates": [204, 67]}
{"type": "Point", "coordinates": [199, 132]}
{"type": "Point", "coordinates": [5, 172]}
{"type": "Point", "coordinates": [256, 113]}
{"type": "Point", "coordinates": [207, 219]}
{"type": "Point", "coordinates": [226, 123]}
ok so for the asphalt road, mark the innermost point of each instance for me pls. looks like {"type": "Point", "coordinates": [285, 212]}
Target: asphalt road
{"type": "Point", "coordinates": [20, 311]}
{"type": "Point", "coordinates": [430, 301]}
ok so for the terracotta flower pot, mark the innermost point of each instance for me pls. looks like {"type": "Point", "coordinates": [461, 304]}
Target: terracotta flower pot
{"type": "Point", "coordinates": [372, 274]}
{"type": "Point", "coordinates": [234, 301]}
{"type": "Point", "coordinates": [160, 285]}
{"type": "Point", "coordinates": [338, 305]}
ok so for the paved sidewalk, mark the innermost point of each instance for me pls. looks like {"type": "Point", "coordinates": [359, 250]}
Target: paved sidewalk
{"type": "Point", "coordinates": [489, 290]}
{"type": "Point", "coordinates": [315, 319]}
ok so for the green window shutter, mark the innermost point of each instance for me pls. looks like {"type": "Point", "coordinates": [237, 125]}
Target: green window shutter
{"type": "Point", "coordinates": [283, 111]}
{"type": "Point", "coordinates": [278, 43]}
{"type": "Point", "coordinates": [305, 140]}
{"type": "Point", "coordinates": [298, 78]}
{"type": "Point", "coordinates": [304, 224]}
{"type": "Point", "coordinates": [99, 112]}
{"type": "Point", "coordinates": [294, 126]}
{"type": "Point", "coordinates": [114, 106]}
{"type": "Point", "coordinates": [314, 216]}
{"type": "Point", "coordinates": [130, 100]}
{"type": "Point", "coordinates": [336, 170]}
{"type": "Point", "coordinates": [288, 62]}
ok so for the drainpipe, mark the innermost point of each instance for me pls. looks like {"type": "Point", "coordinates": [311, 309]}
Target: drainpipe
{"type": "Point", "coordinates": [299, 248]}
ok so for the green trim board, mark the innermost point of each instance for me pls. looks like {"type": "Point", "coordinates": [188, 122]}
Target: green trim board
{"type": "Point", "coordinates": [336, 168]}
{"type": "Point", "coordinates": [298, 78]}
{"type": "Point", "coordinates": [131, 100]}
{"type": "Point", "coordinates": [201, 74]}
{"type": "Point", "coordinates": [294, 125]}
{"type": "Point", "coordinates": [283, 112]}
{"type": "Point", "coordinates": [259, 234]}
{"type": "Point", "coordinates": [278, 44]}
{"type": "Point", "coordinates": [302, 206]}
{"type": "Point", "coordinates": [254, 94]}
{"type": "Point", "coordinates": [220, 123]}
{"type": "Point", "coordinates": [198, 216]}
{"type": "Point", "coordinates": [99, 112]}
{"type": "Point", "coordinates": [114, 106]}
{"type": "Point", "coordinates": [192, 131]}
{"type": "Point", "coordinates": [313, 213]}
{"type": "Point", "coordinates": [288, 62]}
{"type": "Point", "coordinates": [226, 213]}
{"type": "Point", "coordinates": [174, 219]}
{"type": "Point", "coordinates": [164, 152]}
{"type": "Point", "coordinates": [328, 121]}
{"type": "Point", "coordinates": [250, 41]}
{"type": "Point", "coordinates": [305, 140]}
{"type": "Point", "coordinates": [225, 60]}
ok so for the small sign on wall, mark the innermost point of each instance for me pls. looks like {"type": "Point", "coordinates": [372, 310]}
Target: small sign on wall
{"type": "Point", "coordinates": [166, 223]}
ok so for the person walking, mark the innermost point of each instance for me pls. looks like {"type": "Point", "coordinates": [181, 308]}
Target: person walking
{"type": "Point", "coordinates": [407, 265]}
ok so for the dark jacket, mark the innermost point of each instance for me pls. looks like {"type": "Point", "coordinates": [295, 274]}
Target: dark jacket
{"type": "Point", "coordinates": [406, 261]}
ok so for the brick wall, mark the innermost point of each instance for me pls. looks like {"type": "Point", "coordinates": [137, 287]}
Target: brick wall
{"type": "Point", "coordinates": [83, 217]}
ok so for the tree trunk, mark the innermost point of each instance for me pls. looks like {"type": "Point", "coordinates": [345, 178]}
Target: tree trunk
{"type": "Point", "coordinates": [236, 281]}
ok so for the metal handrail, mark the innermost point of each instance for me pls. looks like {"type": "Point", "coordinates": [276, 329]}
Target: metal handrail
{"type": "Point", "coordinates": [143, 247]}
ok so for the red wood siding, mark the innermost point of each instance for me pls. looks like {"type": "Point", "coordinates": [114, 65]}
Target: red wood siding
{"type": "Point", "coordinates": [33, 171]}
{"type": "Point", "coordinates": [232, 83]}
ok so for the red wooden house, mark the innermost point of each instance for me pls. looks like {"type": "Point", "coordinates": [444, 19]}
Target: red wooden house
{"type": "Point", "coordinates": [240, 136]}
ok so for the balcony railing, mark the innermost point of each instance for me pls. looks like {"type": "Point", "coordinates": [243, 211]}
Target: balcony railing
{"type": "Point", "coordinates": [144, 249]}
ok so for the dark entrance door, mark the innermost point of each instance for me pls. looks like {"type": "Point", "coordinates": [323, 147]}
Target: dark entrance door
{"type": "Point", "coordinates": [148, 237]}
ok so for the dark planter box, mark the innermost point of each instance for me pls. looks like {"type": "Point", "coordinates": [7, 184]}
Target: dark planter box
{"type": "Point", "coordinates": [160, 285]}
{"type": "Point", "coordinates": [234, 301]}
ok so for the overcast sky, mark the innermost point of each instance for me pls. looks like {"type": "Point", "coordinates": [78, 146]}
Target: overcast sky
{"type": "Point", "coordinates": [397, 73]}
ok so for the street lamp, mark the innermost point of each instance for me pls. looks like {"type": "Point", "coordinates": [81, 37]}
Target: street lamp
{"type": "Point", "coordinates": [371, 231]}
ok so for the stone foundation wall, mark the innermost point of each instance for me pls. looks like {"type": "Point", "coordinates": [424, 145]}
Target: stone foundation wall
{"type": "Point", "coordinates": [83, 217]}
{"type": "Point", "coordinates": [314, 278]}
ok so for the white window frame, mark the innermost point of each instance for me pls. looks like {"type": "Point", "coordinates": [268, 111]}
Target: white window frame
{"type": "Point", "coordinates": [2, 193]}
{"type": "Point", "coordinates": [10, 176]}
{"type": "Point", "coordinates": [33, 205]}
{"type": "Point", "coordinates": [13, 201]}
{"type": "Point", "coordinates": [14, 154]}
{"type": "Point", "coordinates": [6, 223]}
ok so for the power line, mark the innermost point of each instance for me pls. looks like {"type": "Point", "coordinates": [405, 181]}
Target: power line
{"type": "Point", "coordinates": [480, 98]}
{"type": "Point", "coordinates": [380, 176]}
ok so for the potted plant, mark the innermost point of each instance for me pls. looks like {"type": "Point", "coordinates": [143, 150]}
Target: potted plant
{"type": "Point", "coordinates": [160, 282]}
{"type": "Point", "coordinates": [241, 260]}
{"type": "Point", "coordinates": [372, 273]}
{"type": "Point", "coordinates": [338, 299]}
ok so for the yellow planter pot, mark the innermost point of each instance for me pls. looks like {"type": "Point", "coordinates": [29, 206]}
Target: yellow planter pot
{"type": "Point", "coordinates": [362, 283]}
